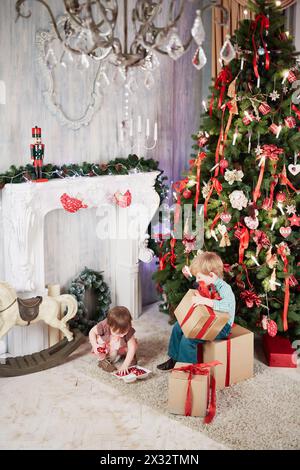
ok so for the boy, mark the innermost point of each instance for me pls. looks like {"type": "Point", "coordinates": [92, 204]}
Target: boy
{"type": "Point", "coordinates": [208, 268]}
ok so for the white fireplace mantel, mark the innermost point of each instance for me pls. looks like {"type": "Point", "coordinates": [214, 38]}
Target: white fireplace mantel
{"type": "Point", "coordinates": [25, 206]}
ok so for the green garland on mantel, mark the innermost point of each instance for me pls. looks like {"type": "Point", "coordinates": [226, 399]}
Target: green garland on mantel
{"type": "Point", "coordinates": [118, 166]}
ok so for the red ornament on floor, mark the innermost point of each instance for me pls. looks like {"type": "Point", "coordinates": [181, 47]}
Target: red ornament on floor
{"type": "Point", "coordinates": [279, 352]}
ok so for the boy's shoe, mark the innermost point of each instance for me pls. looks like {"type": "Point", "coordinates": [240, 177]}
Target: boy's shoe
{"type": "Point", "coordinates": [168, 365]}
{"type": "Point", "coordinates": [107, 365]}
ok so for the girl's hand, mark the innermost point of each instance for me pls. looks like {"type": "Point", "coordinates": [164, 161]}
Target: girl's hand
{"type": "Point", "coordinates": [123, 369]}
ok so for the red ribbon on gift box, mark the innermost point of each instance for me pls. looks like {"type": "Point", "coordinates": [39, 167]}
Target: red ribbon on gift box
{"type": "Point", "coordinates": [201, 369]}
{"type": "Point", "coordinates": [210, 294]}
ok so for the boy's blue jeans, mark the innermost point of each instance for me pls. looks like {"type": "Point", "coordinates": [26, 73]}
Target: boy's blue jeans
{"type": "Point", "coordinates": [183, 349]}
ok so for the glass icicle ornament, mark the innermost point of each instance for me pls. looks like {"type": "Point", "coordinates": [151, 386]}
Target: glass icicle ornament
{"type": "Point", "coordinates": [174, 46]}
{"type": "Point", "coordinates": [149, 81]}
{"type": "Point", "coordinates": [227, 53]}
{"type": "Point", "coordinates": [199, 59]}
{"type": "Point", "coordinates": [66, 59]}
{"type": "Point", "coordinates": [198, 32]}
{"type": "Point", "coordinates": [151, 62]}
{"type": "Point", "coordinates": [50, 58]}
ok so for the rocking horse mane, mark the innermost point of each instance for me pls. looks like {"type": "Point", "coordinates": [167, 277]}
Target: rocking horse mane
{"type": "Point", "coordinates": [9, 288]}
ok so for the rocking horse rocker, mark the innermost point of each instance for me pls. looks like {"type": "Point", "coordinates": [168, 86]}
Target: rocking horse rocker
{"type": "Point", "coordinates": [16, 311]}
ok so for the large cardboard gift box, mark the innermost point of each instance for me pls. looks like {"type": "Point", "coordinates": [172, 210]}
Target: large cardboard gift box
{"type": "Point", "coordinates": [192, 390]}
{"type": "Point", "coordinates": [199, 322]}
{"type": "Point", "coordinates": [236, 355]}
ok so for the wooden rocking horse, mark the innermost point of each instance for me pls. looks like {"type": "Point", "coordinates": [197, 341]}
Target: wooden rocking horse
{"type": "Point", "coordinates": [16, 311]}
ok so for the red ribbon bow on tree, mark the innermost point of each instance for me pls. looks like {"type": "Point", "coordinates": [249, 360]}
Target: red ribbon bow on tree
{"type": "Point", "coordinates": [264, 25]}
{"type": "Point", "coordinates": [270, 152]}
{"type": "Point", "coordinates": [222, 80]}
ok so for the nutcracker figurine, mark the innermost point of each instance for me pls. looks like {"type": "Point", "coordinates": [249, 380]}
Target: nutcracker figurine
{"type": "Point", "coordinates": [37, 153]}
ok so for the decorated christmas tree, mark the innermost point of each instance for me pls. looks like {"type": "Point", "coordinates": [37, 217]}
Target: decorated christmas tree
{"type": "Point", "coordinates": [244, 173]}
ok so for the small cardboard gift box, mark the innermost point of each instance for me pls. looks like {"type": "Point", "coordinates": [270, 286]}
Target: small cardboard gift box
{"type": "Point", "coordinates": [192, 390]}
{"type": "Point", "coordinates": [199, 322]}
{"type": "Point", "coordinates": [236, 355]}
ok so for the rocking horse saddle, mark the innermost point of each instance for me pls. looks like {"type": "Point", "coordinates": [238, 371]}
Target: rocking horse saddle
{"type": "Point", "coordinates": [29, 308]}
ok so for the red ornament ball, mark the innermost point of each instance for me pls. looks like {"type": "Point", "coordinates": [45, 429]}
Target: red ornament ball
{"type": "Point", "coordinates": [272, 328]}
{"type": "Point", "coordinates": [224, 164]}
{"type": "Point", "coordinates": [280, 197]}
{"type": "Point", "coordinates": [187, 194]}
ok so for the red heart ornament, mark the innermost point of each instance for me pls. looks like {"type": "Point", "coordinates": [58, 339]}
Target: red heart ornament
{"type": "Point", "coordinates": [225, 217]}
{"type": "Point", "coordinates": [285, 231]}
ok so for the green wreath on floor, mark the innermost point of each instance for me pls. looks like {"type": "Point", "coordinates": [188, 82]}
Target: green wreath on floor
{"type": "Point", "coordinates": [89, 279]}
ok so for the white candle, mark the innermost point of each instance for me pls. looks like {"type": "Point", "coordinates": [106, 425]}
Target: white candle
{"type": "Point", "coordinates": [273, 223]}
{"type": "Point", "coordinates": [279, 205]}
{"type": "Point", "coordinates": [258, 82]}
{"type": "Point", "coordinates": [255, 260]}
{"type": "Point", "coordinates": [235, 136]}
{"type": "Point", "coordinates": [204, 105]}
{"type": "Point", "coordinates": [147, 128]}
{"type": "Point", "coordinates": [242, 63]}
{"type": "Point", "coordinates": [285, 77]}
{"type": "Point", "coordinates": [139, 124]}
{"type": "Point", "coordinates": [278, 132]}
{"type": "Point", "coordinates": [155, 132]}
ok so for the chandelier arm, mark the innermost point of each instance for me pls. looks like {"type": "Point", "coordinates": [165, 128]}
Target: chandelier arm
{"type": "Point", "coordinates": [72, 16]}
{"type": "Point", "coordinates": [110, 23]}
{"type": "Point", "coordinates": [139, 5]}
{"type": "Point", "coordinates": [214, 4]}
{"type": "Point", "coordinates": [114, 12]}
{"type": "Point", "coordinates": [144, 27]}
{"type": "Point", "coordinates": [20, 3]}
{"type": "Point", "coordinates": [171, 8]}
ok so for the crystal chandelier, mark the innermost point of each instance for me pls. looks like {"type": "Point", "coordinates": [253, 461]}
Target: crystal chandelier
{"type": "Point", "coordinates": [91, 30]}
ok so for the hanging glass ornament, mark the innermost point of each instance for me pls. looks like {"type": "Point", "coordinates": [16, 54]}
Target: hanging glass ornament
{"type": "Point", "coordinates": [149, 81]}
{"type": "Point", "coordinates": [261, 51]}
{"type": "Point", "coordinates": [83, 62]}
{"type": "Point", "coordinates": [102, 80]}
{"type": "Point", "coordinates": [227, 53]}
{"type": "Point", "coordinates": [50, 58]}
{"type": "Point", "coordinates": [199, 59]}
{"type": "Point", "coordinates": [66, 59]}
{"type": "Point", "coordinates": [151, 62]}
{"type": "Point", "coordinates": [198, 32]}
{"type": "Point", "coordinates": [174, 46]}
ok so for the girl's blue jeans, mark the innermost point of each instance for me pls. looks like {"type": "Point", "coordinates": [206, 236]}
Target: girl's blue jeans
{"type": "Point", "coordinates": [183, 349]}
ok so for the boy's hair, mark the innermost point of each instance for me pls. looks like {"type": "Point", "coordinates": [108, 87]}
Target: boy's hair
{"type": "Point", "coordinates": [206, 263]}
{"type": "Point", "coordinates": [119, 319]}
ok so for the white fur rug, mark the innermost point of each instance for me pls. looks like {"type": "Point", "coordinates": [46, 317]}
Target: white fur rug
{"type": "Point", "coordinates": [260, 413]}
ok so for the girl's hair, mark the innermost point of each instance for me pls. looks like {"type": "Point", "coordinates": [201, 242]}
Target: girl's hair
{"type": "Point", "coordinates": [119, 319]}
{"type": "Point", "coordinates": [206, 263]}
